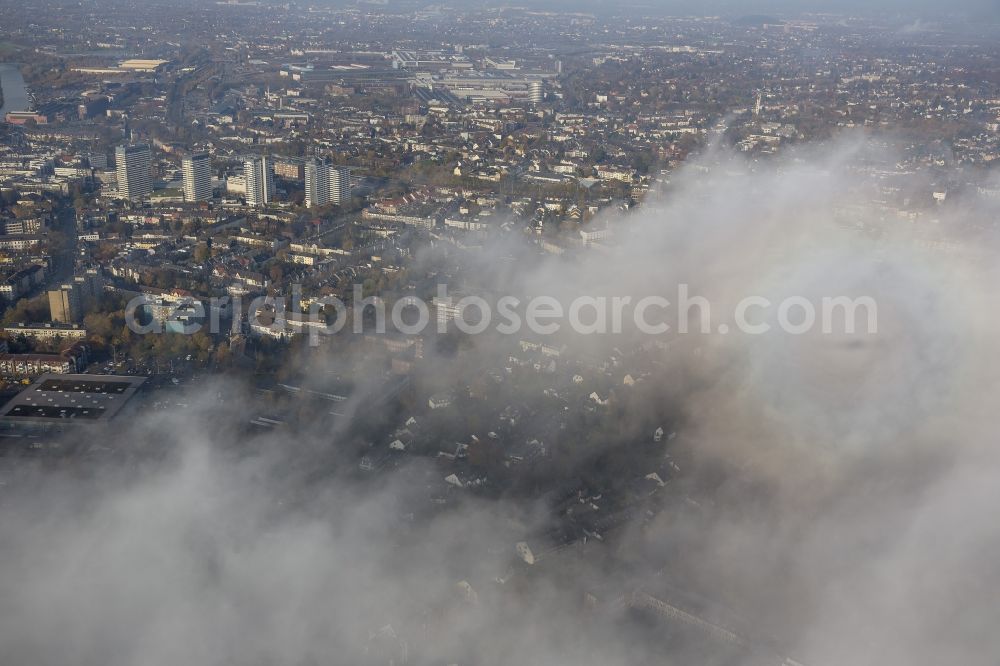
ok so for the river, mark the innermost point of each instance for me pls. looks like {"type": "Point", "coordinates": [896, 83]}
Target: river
{"type": "Point", "coordinates": [15, 97]}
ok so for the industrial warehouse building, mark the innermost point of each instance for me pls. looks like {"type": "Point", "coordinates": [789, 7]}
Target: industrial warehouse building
{"type": "Point", "coordinates": [55, 400]}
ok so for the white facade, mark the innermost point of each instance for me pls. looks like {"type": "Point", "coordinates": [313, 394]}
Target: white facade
{"type": "Point", "coordinates": [259, 175]}
{"type": "Point", "coordinates": [536, 92]}
{"type": "Point", "coordinates": [197, 171]}
{"type": "Point", "coordinates": [326, 184]}
{"type": "Point", "coordinates": [133, 165]}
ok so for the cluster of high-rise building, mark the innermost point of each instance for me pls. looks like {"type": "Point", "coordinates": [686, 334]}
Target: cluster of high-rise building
{"type": "Point", "coordinates": [325, 183]}
{"type": "Point", "coordinates": [135, 181]}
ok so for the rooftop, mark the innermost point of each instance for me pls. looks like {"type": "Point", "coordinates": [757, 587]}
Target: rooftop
{"type": "Point", "coordinates": [54, 398]}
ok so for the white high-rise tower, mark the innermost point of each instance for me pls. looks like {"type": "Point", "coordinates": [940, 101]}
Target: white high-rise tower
{"type": "Point", "coordinates": [326, 184]}
{"type": "Point", "coordinates": [536, 92]}
{"type": "Point", "coordinates": [259, 174]}
{"type": "Point", "coordinates": [133, 164]}
{"type": "Point", "coordinates": [197, 171]}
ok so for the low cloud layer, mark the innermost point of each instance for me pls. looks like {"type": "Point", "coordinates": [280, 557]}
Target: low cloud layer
{"type": "Point", "coordinates": [834, 496]}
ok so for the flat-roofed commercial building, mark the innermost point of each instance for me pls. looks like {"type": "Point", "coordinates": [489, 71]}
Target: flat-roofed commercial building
{"type": "Point", "coordinates": [142, 64]}
{"type": "Point", "coordinates": [56, 399]}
